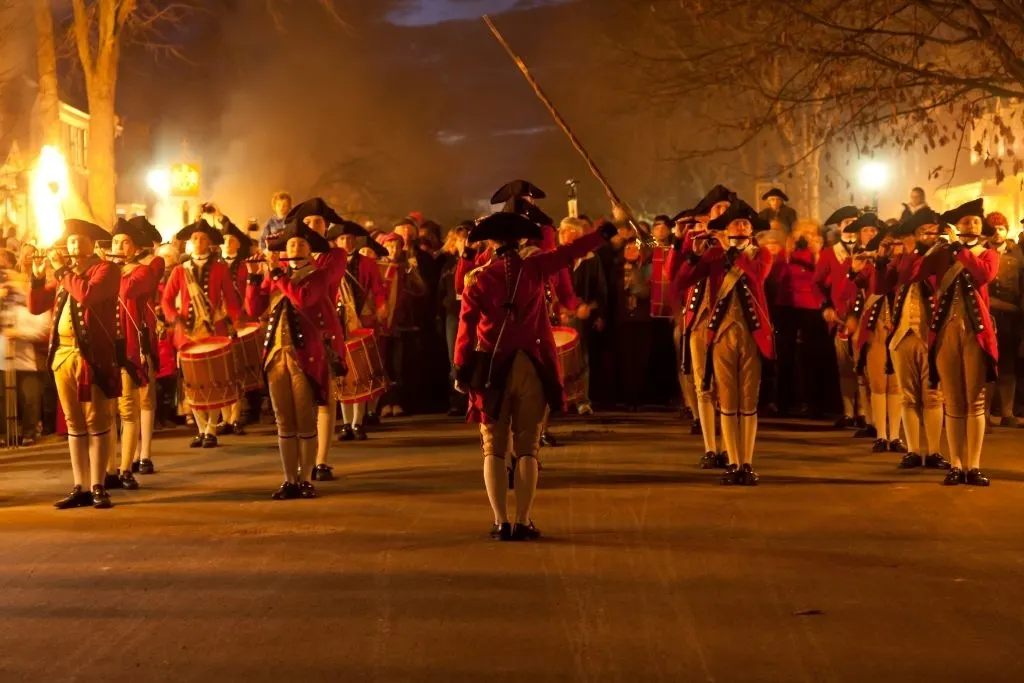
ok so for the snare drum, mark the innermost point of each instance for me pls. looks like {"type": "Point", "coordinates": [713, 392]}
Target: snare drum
{"type": "Point", "coordinates": [366, 379]}
{"type": "Point", "coordinates": [210, 377]}
{"type": "Point", "coordinates": [248, 352]}
{"type": "Point", "coordinates": [570, 363]}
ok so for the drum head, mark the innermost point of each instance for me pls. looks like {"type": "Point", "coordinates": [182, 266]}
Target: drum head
{"type": "Point", "coordinates": [564, 336]}
{"type": "Point", "coordinates": [205, 347]}
{"type": "Point", "coordinates": [247, 329]}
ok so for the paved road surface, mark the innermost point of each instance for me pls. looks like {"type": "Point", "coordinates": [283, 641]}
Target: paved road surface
{"type": "Point", "coordinates": [837, 568]}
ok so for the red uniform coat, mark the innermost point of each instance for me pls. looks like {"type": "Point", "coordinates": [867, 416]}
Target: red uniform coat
{"type": "Point", "coordinates": [93, 295]}
{"type": "Point", "coordinates": [694, 279]}
{"type": "Point", "coordinates": [831, 277]}
{"type": "Point", "coordinates": [307, 303]}
{"type": "Point", "coordinates": [528, 330]}
{"type": "Point", "coordinates": [878, 282]}
{"type": "Point", "coordinates": [978, 270]}
{"type": "Point", "coordinates": [334, 263]}
{"type": "Point", "coordinates": [136, 292]}
{"type": "Point", "coordinates": [755, 267]}
{"type": "Point", "coordinates": [794, 277]}
{"type": "Point", "coordinates": [220, 292]}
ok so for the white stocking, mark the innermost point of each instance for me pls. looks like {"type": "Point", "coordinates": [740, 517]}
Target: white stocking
{"type": "Point", "coordinates": [98, 457]}
{"type": "Point", "coordinates": [706, 413]}
{"type": "Point", "coordinates": [912, 426]}
{"type": "Point", "coordinates": [307, 457]}
{"type": "Point", "coordinates": [326, 417]}
{"type": "Point", "coordinates": [975, 440]}
{"type": "Point", "coordinates": [748, 427]}
{"type": "Point", "coordinates": [79, 447]}
{"type": "Point", "coordinates": [527, 474]}
{"type": "Point", "coordinates": [956, 435]}
{"type": "Point", "coordinates": [892, 405]}
{"type": "Point", "coordinates": [730, 437]}
{"type": "Point", "coordinates": [147, 418]}
{"type": "Point", "coordinates": [878, 414]}
{"type": "Point", "coordinates": [933, 428]}
{"type": "Point", "coordinates": [496, 483]}
{"type": "Point", "coordinates": [358, 414]}
{"type": "Point", "coordinates": [289, 446]}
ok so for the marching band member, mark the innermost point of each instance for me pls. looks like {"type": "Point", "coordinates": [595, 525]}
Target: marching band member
{"type": "Point", "coordinates": [683, 222]}
{"type": "Point", "coordinates": [235, 251]}
{"type": "Point", "coordinates": [404, 288]}
{"type": "Point", "coordinates": [208, 304]}
{"type": "Point", "coordinates": [963, 351]}
{"type": "Point", "coordinates": [738, 331]}
{"type": "Point", "coordinates": [295, 355]}
{"type": "Point", "coordinates": [870, 271]}
{"type": "Point", "coordinates": [838, 295]}
{"type": "Point", "coordinates": [505, 358]}
{"type": "Point", "coordinates": [698, 293]}
{"type": "Point", "coordinates": [138, 285]}
{"type": "Point", "coordinates": [361, 303]}
{"type": "Point", "coordinates": [908, 344]}
{"type": "Point", "coordinates": [82, 355]}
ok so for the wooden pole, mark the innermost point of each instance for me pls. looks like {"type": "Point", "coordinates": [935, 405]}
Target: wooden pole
{"type": "Point", "coordinates": [641, 234]}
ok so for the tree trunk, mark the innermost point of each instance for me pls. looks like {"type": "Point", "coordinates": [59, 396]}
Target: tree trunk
{"type": "Point", "coordinates": [100, 155]}
{"type": "Point", "coordinates": [46, 62]}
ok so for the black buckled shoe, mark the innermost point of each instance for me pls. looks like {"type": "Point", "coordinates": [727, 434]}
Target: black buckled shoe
{"type": "Point", "coordinates": [127, 480]}
{"type": "Point", "coordinates": [976, 478]}
{"type": "Point", "coordinates": [844, 422]}
{"type": "Point", "coordinates": [695, 429]}
{"type": "Point", "coordinates": [502, 532]}
{"type": "Point", "coordinates": [709, 461]}
{"type": "Point", "coordinates": [867, 432]}
{"type": "Point", "coordinates": [910, 461]}
{"type": "Point", "coordinates": [525, 532]}
{"type": "Point", "coordinates": [547, 439]}
{"type": "Point", "coordinates": [196, 442]}
{"type": "Point", "coordinates": [953, 477]}
{"type": "Point", "coordinates": [288, 491]}
{"type": "Point", "coordinates": [323, 472]}
{"type": "Point", "coordinates": [860, 422]}
{"type": "Point", "coordinates": [360, 433]}
{"type": "Point", "coordinates": [146, 466]}
{"type": "Point", "coordinates": [346, 433]}
{"type": "Point", "coordinates": [371, 419]}
{"type": "Point", "coordinates": [722, 460]}
{"type": "Point", "coordinates": [210, 441]}
{"type": "Point", "coordinates": [111, 481]}
{"type": "Point", "coordinates": [100, 498]}
{"type": "Point", "coordinates": [307, 490]}
{"type": "Point", "coordinates": [76, 499]}
{"type": "Point", "coordinates": [237, 428]}
{"type": "Point", "coordinates": [881, 446]}
{"type": "Point", "coordinates": [731, 475]}
{"type": "Point", "coordinates": [746, 476]}
{"type": "Point", "coordinates": [136, 466]}
{"type": "Point", "coordinates": [897, 446]}
{"type": "Point", "coordinates": [936, 461]}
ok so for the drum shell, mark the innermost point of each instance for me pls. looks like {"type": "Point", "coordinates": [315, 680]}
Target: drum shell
{"type": "Point", "coordinates": [367, 377]}
{"type": "Point", "coordinates": [210, 376]}
{"type": "Point", "coordinates": [248, 353]}
{"type": "Point", "coordinates": [570, 363]}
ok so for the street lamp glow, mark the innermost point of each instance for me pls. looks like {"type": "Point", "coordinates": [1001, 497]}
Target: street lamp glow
{"type": "Point", "coordinates": [873, 175]}
{"type": "Point", "coordinates": [159, 180]}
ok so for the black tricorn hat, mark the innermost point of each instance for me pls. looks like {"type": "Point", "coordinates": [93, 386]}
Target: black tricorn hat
{"type": "Point", "coordinates": [504, 226]}
{"type": "Point", "coordinates": [686, 215]}
{"type": "Point", "coordinates": [76, 226]}
{"type": "Point", "coordinates": [351, 228]}
{"type": "Point", "coordinates": [313, 207]}
{"type": "Point", "coordinates": [517, 188]}
{"type": "Point", "coordinates": [663, 218]}
{"type": "Point", "coordinates": [528, 210]}
{"type": "Point", "coordinates": [738, 210]}
{"type": "Point", "coordinates": [203, 227]}
{"type": "Point", "coordinates": [150, 235]}
{"type": "Point", "coordinates": [244, 241]}
{"type": "Point", "coordinates": [719, 193]}
{"type": "Point", "coordinates": [841, 214]}
{"type": "Point", "coordinates": [317, 242]}
{"type": "Point", "coordinates": [876, 241]}
{"type": "Point", "coordinates": [775, 192]}
{"type": "Point", "coordinates": [123, 227]}
{"type": "Point", "coordinates": [909, 225]}
{"type": "Point", "coordinates": [867, 220]}
{"type": "Point", "coordinates": [975, 207]}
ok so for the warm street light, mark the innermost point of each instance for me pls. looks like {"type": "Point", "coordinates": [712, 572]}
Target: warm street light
{"type": "Point", "coordinates": [873, 176]}
{"type": "Point", "coordinates": [159, 180]}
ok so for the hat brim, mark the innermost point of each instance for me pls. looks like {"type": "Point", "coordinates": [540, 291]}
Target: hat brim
{"type": "Point", "coordinates": [504, 226]}
{"type": "Point", "coordinates": [200, 226]}
{"type": "Point", "coordinates": [75, 226]}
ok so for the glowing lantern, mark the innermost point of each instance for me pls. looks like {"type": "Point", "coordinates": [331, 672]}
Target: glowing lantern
{"type": "Point", "coordinates": [49, 189]}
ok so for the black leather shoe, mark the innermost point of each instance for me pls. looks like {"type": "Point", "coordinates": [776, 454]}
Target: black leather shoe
{"type": "Point", "coordinates": [709, 461]}
{"type": "Point", "coordinates": [76, 499]}
{"type": "Point", "coordinates": [722, 460]}
{"type": "Point", "coordinates": [695, 429]}
{"type": "Point", "coordinates": [237, 428]}
{"type": "Point", "coordinates": [111, 481]}
{"type": "Point", "coordinates": [746, 476]}
{"type": "Point", "coordinates": [731, 475]}
{"type": "Point", "coordinates": [146, 466]}
{"type": "Point", "coordinates": [843, 423]}
{"type": "Point", "coordinates": [881, 446]}
{"type": "Point", "coordinates": [307, 490]}
{"type": "Point", "coordinates": [502, 532]}
{"type": "Point", "coordinates": [525, 532]}
{"type": "Point", "coordinates": [547, 439]}
{"type": "Point", "coordinates": [100, 498]}
{"type": "Point", "coordinates": [288, 491]}
{"type": "Point", "coordinates": [323, 472]}
{"type": "Point", "coordinates": [223, 428]}
{"type": "Point", "coordinates": [910, 461]}
{"type": "Point", "coordinates": [936, 461]}
{"type": "Point", "coordinates": [897, 446]}
{"type": "Point", "coordinates": [127, 480]}
{"type": "Point", "coordinates": [976, 478]}
{"type": "Point", "coordinates": [136, 466]}
{"type": "Point", "coordinates": [197, 441]}
{"type": "Point", "coordinates": [860, 422]}
{"type": "Point", "coordinates": [371, 419]}
{"type": "Point", "coordinates": [953, 477]}
{"type": "Point", "coordinates": [209, 441]}
{"type": "Point", "coordinates": [346, 433]}
{"type": "Point", "coordinates": [360, 433]}
{"type": "Point", "coordinates": [868, 432]}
